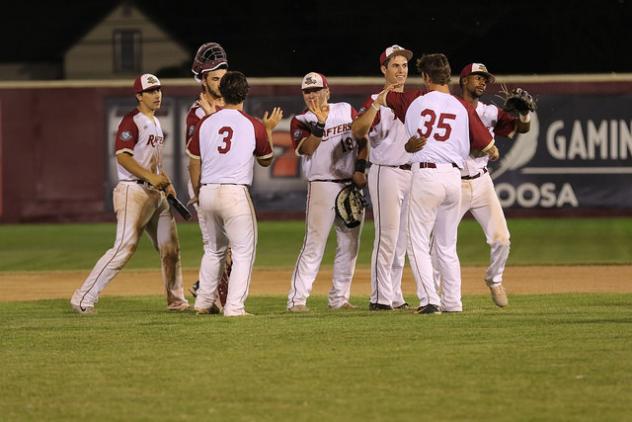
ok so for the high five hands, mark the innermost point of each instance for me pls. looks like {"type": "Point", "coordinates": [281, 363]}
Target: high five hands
{"type": "Point", "coordinates": [271, 120]}
{"type": "Point", "coordinates": [381, 97]}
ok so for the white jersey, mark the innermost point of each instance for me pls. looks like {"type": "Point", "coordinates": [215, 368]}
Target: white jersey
{"type": "Point", "coordinates": [335, 157]}
{"type": "Point", "coordinates": [497, 122]}
{"type": "Point", "coordinates": [450, 125]}
{"type": "Point", "coordinates": [227, 142]}
{"type": "Point", "coordinates": [387, 137]}
{"type": "Point", "coordinates": [140, 136]}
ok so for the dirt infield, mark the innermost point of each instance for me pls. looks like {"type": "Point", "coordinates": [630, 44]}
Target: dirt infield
{"type": "Point", "coordinates": [22, 286]}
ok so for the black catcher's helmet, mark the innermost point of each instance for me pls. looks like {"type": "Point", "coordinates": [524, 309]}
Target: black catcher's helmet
{"type": "Point", "coordinates": [210, 56]}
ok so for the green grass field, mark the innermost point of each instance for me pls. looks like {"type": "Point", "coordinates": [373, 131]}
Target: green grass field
{"type": "Point", "coordinates": [564, 357]}
{"type": "Point", "coordinates": [534, 241]}
{"type": "Point", "coordinates": [555, 358]}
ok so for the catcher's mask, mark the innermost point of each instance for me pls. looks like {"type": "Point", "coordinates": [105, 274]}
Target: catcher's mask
{"type": "Point", "coordinates": [350, 204]}
{"type": "Point", "coordinates": [210, 56]}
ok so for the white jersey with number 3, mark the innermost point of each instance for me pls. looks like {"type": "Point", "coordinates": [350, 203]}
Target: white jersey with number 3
{"type": "Point", "coordinates": [227, 142]}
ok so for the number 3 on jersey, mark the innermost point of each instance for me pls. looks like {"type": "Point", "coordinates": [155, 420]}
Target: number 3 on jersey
{"type": "Point", "coordinates": [430, 118]}
{"type": "Point", "coordinates": [228, 135]}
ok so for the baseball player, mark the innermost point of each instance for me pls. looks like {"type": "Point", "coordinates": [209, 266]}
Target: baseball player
{"type": "Point", "coordinates": [139, 202]}
{"type": "Point", "coordinates": [209, 65]}
{"type": "Point", "coordinates": [222, 152]}
{"type": "Point", "coordinates": [477, 189]}
{"type": "Point", "coordinates": [389, 184]}
{"type": "Point", "coordinates": [331, 159]}
{"type": "Point", "coordinates": [450, 127]}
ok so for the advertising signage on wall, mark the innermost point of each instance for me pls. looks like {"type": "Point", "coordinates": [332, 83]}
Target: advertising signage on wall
{"type": "Point", "coordinates": [576, 160]}
{"type": "Point", "coordinates": [578, 154]}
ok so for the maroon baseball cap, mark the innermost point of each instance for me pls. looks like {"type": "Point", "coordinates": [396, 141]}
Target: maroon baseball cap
{"type": "Point", "coordinates": [395, 50]}
{"type": "Point", "coordinates": [314, 80]}
{"type": "Point", "coordinates": [146, 81]}
{"type": "Point", "coordinates": [477, 69]}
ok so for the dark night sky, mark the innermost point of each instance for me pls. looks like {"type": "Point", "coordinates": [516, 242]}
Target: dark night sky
{"type": "Point", "coordinates": [344, 38]}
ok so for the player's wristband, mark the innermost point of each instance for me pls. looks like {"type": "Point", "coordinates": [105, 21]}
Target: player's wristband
{"type": "Point", "coordinates": [360, 165]}
{"type": "Point", "coordinates": [318, 129]}
{"type": "Point", "coordinates": [525, 118]}
{"type": "Point", "coordinates": [373, 106]}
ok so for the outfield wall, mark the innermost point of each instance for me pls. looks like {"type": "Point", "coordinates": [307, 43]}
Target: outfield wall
{"type": "Point", "coordinates": [56, 161]}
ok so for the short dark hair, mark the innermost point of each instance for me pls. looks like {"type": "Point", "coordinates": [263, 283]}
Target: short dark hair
{"type": "Point", "coordinates": [436, 66]}
{"type": "Point", "coordinates": [234, 87]}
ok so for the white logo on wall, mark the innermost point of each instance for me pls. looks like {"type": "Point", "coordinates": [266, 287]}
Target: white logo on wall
{"type": "Point", "coordinates": [522, 151]}
{"type": "Point", "coordinates": [530, 195]}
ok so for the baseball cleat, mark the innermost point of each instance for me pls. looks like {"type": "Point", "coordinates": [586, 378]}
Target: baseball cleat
{"type": "Point", "coordinates": [84, 310]}
{"type": "Point", "coordinates": [403, 307]}
{"type": "Point", "coordinates": [239, 315]}
{"type": "Point", "coordinates": [298, 308]}
{"type": "Point", "coordinates": [75, 304]}
{"type": "Point", "coordinates": [178, 306]}
{"type": "Point", "coordinates": [212, 310]}
{"type": "Point", "coordinates": [429, 309]}
{"type": "Point", "coordinates": [379, 307]}
{"type": "Point", "coordinates": [498, 295]}
{"type": "Point", "coordinates": [345, 305]}
{"type": "Point", "coordinates": [193, 290]}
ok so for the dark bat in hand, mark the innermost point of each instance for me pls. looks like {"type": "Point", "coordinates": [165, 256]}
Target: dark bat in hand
{"type": "Point", "coordinates": [179, 206]}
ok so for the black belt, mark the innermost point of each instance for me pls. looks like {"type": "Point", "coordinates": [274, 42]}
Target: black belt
{"type": "Point", "coordinates": [234, 184]}
{"type": "Point", "coordinates": [140, 182]}
{"type": "Point", "coordinates": [332, 180]}
{"type": "Point", "coordinates": [433, 165]}
{"type": "Point", "coordinates": [476, 176]}
{"type": "Point", "coordinates": [402, 167]}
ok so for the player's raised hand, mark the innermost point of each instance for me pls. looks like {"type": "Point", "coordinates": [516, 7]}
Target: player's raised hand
{"type": "Point", "coordinates": [270, 121]}
{"type": "Point", "coordinates": [415, 143]}
{"type": "Point", "coordinates": [381, 97]}
{"type": "Point", "coordinates": [321, 111]}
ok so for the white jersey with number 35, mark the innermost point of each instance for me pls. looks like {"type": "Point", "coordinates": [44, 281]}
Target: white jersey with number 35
{"type": "Point", "coordinates": [227, 142]}
{"type": "Point", "coordinates": [450, 125]}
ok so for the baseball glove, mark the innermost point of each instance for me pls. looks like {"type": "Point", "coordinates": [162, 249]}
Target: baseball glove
{"type": "Point", "coordinates": [350, 205]}
{"type": "Point", "coordinates": [518, 101]}
{"type": "Point", "coordinates": [222, 287]}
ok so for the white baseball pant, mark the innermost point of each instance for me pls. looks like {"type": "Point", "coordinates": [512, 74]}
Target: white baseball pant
{"type": "Point", "coordinates": [200, 216]}
{"type": "Point", "coordinates": [320, 216]}
{"type": "Point", "coordinates": [138, 208]}
{"type": "Point", "coordinates": [434, 209]}
{"type": "Point", "coordinates": [389, 188]}
{"type": "Point", "coordinates": [229, 219]}
{"type": "Point", "coordinates": [479, 196]}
